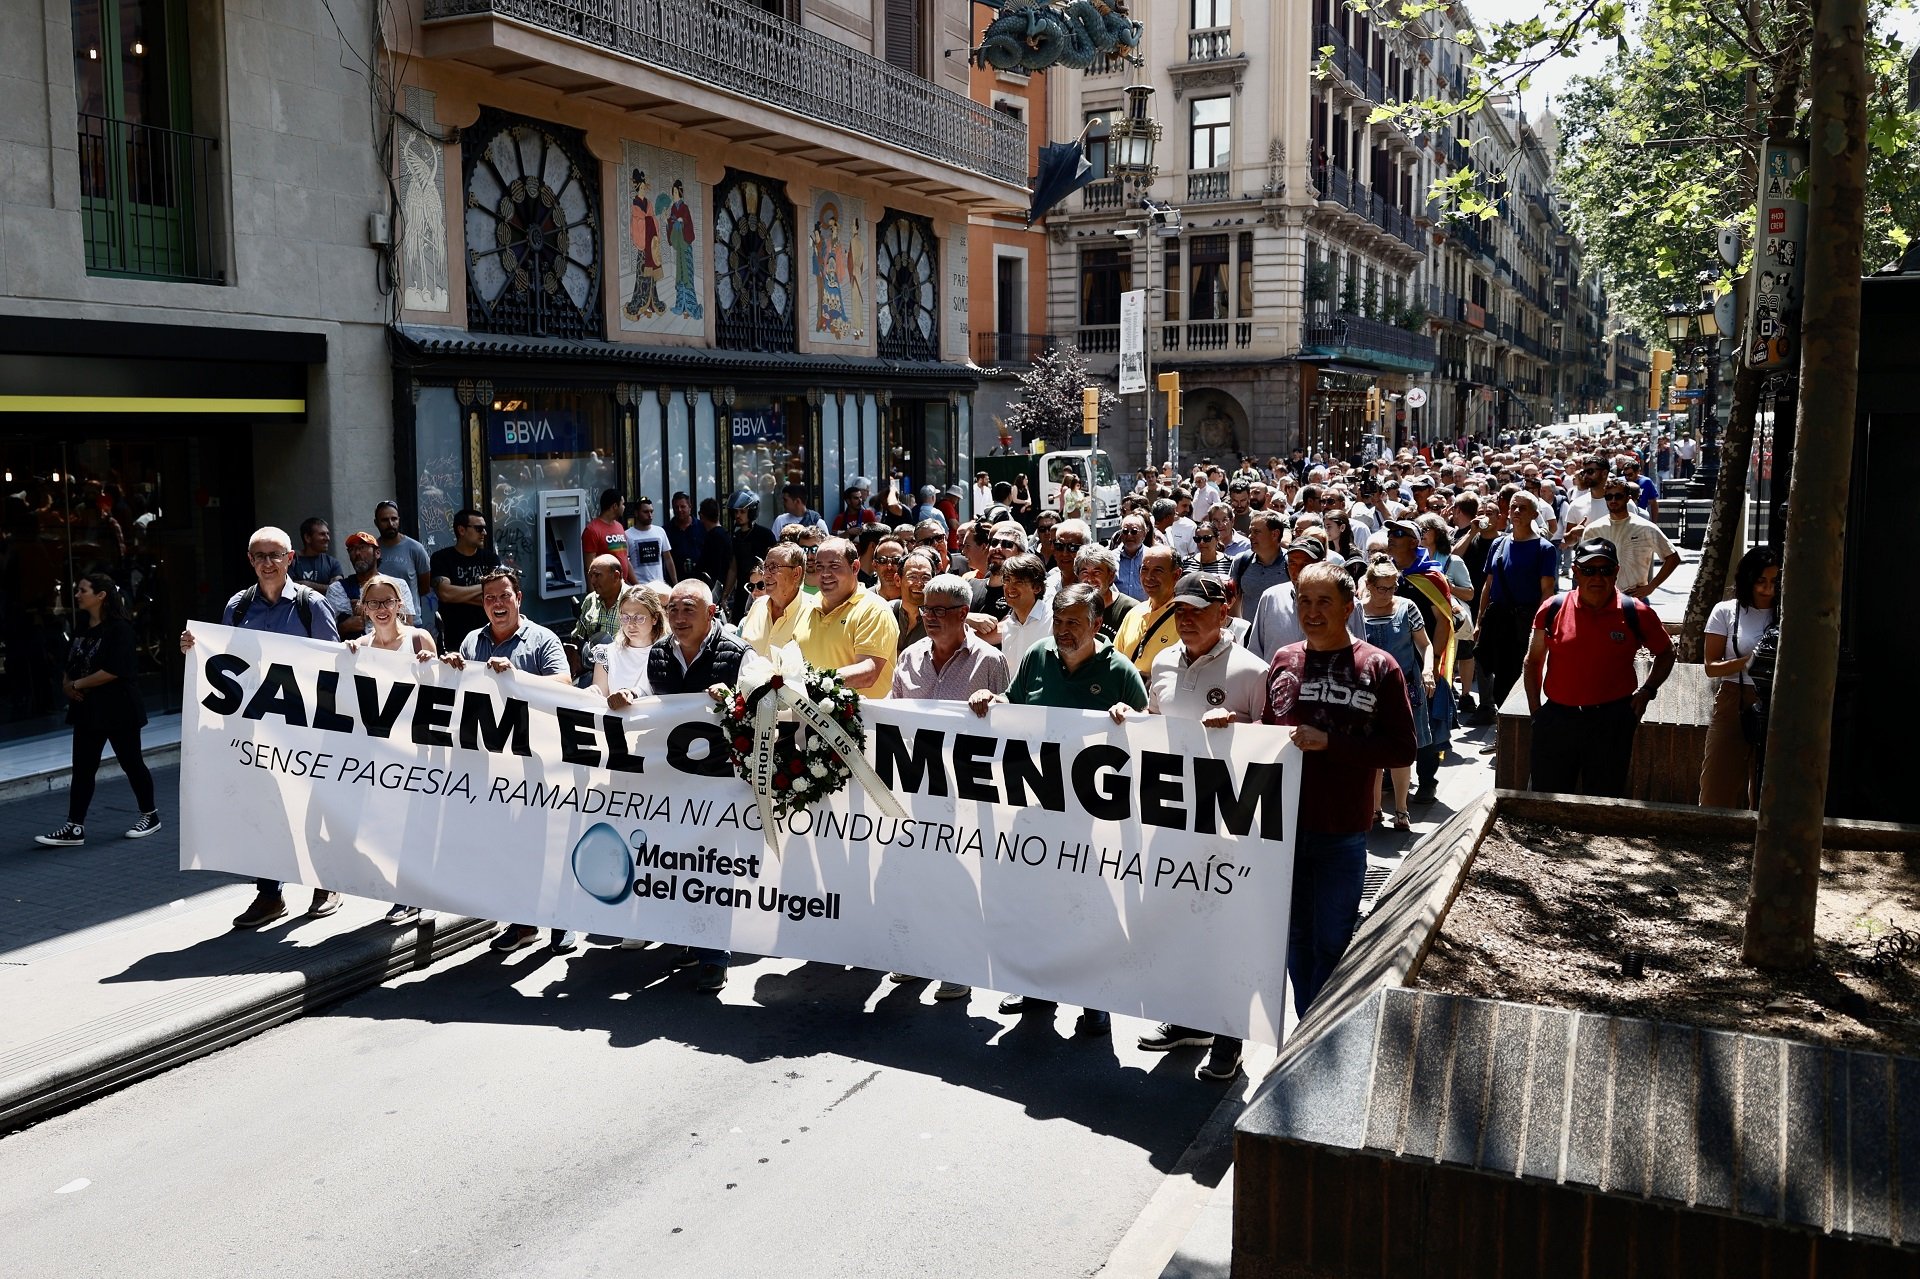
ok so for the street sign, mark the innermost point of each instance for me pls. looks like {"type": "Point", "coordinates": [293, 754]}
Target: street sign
{"type": "Point", "coordinates": [1771, 336]}
{"type": "Point", "coordinates": [1691, 393]}
{"type": "Point", "coordinates": [1416, 397]}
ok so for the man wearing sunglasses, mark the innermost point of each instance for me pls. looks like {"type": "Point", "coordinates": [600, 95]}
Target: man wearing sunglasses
{"type": "Point", "coordinates": [1637, 540]}
{"type": "Point", "coordinates": [1582, 684]}
{"type": "Point", "coordinates": [457, 571]}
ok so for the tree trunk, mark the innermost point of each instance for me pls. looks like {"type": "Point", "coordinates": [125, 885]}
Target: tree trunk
{"type": "Point", "coordinates": [1715, 569]}
{"type": "Point", "coordinates": [1793, 794]}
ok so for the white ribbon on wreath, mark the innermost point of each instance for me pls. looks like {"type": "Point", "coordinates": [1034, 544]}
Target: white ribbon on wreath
{"type": "Point", "coordinates": [787, 678]}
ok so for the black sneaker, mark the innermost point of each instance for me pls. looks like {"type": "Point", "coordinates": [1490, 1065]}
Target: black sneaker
{"type": "Point", "coordinates": [712, 977]}
{"type": "Point", "coordinates": [1222, 1063]}
{"type": "Point", "coordinates": [68, 836]}
{"type": "Point", "coordinates": [514, 936]}
{"type": "Point", "coordinates": [147, 825]}
{"type": "Point", "coordinates": [1467, 703]}
{"type": "Point", "coordinates": [1167, 1036]}
{"type": "Point", "coordinates": [1426, 793]}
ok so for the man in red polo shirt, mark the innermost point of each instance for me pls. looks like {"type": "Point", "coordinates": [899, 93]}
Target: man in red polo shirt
{"type": "Point", "coordinates": [1582, 658]}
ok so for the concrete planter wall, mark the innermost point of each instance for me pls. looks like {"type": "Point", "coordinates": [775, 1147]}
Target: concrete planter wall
{"type": "Point", "coordinates": [1407, 1132]}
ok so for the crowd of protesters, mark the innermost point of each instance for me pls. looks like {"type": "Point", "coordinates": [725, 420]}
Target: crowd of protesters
{"type": "Point", "coordinates": [1374, 607]}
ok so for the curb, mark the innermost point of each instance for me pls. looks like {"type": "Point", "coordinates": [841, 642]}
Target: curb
{"type": "Point", "coordinates": [98, 1057]}
{"type": "Point", "coordinates": [61, 778]}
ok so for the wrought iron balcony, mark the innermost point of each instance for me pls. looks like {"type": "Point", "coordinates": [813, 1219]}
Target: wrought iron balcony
{"type": "Point", "coordinates": [742, 49]}
{"type": "Point", "coordinates": [1342, 335]}
{"type": "Point", "coordinates": [1001, 350]}
{"type": "Point", "coordinates": [147, 201]}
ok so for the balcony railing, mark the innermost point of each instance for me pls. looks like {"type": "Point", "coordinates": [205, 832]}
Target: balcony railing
{"type": "Point", "coordinates": [1206, 335]}
{"type": "Point", "coordinates": [1209, 184]}
{"type": "Point", "coordinates": [1340, 333]}
{"type": "Point", "coordinates": [1097, 339]}
{"type": "Point", "coordinates": [743, 49]}
{"type": "Point", "coordinates": [1104, 194]}
{"type": "Point", "coordinates": [1108, 66]}
{"type": "Point", "coordinates": [1210, 43]}
{"type": "Point", "coordinates": [1000, 350]}
{"type": "Point", "coordinates": [147, 201]}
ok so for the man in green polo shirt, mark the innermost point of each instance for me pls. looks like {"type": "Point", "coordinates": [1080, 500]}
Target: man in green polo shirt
{"type": "Point", "coordinates": [1078, 670]}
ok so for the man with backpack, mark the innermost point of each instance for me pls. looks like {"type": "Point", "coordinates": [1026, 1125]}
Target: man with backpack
{"type": "Point", "coordinates": [281, 607]}
{"type": "Point", "coordinates": [1582, 660]}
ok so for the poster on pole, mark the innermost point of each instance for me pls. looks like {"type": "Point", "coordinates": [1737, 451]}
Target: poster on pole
{"type": "Point", "coordinates": [1143, 868]}
{"type": "Point", "coordinates": [1771, 338]}
{"type": "Point", "coordinates": [1133, 341]}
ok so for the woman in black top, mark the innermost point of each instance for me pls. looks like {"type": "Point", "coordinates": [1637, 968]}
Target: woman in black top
{"type": "Point", "coordinates": [104, 708]}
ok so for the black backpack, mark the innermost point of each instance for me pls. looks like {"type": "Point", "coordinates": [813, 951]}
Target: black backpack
{"type": "Point", "coordinates": [303, 597]}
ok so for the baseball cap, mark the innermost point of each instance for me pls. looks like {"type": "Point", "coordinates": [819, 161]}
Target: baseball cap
{"type": "Point", "coordinates": [1400, 528]}
{"type": "Point", "coordinates": [361, 539]}
{"type": "Point", "coordinates": [1310, 546]}
{"type": "Point", "coordinates": [1200, 590]}
{"type": "Point", "coordinates": [1596, 548]}
{"type": "Point", "coordinates": [1421, 482]}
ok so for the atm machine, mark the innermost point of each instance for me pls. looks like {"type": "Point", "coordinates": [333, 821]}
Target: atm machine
{"type": "Point", "coordinates": [564, 514]}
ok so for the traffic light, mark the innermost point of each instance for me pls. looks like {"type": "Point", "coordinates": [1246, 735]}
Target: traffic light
{"type": "Point", "coordinates": [1373, 404]}
{"type": "Point", "coordinates": [1090, 409]}
{"type": "Point", "coordinates": [1170, 383]}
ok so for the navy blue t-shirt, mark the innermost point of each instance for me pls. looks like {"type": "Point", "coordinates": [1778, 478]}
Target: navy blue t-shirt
{"type": "Point", "coordinates": [1514, 570]}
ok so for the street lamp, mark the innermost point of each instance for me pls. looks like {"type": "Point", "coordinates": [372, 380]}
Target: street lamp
{"type": "Point", "coordinates": [1694, 332]}
{"type": "Point", "coordinates": [1133, 136]}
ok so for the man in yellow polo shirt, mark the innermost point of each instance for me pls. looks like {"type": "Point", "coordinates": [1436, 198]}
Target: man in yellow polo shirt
{"type": "Point", "coordinates": [852, 631]}
{"type": "Point", "coordinates": [1148, 630]}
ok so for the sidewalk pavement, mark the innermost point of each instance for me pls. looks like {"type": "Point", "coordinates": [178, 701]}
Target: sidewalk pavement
{"type": "Point", "coordinates": [115, 964]}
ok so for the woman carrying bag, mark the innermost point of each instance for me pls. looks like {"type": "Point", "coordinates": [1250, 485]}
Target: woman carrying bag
{"type": "Point", "coordinates": [1734, 627]}
{"type": "Point", "coordinates": [104, 708]}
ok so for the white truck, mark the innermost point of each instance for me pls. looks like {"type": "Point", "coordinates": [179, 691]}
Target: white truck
{"type": "Point", "coordinates": [1098, 480]}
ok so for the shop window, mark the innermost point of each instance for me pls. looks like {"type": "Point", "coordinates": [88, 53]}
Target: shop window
{"type": "Point", "coordinates": [770, 448]}
{"type": "Point", "coordinates": [532, 225]}
{"type": "Point", "coordinates": [441, 483]}
{"type": "Point", "coordinates": [544, 441]}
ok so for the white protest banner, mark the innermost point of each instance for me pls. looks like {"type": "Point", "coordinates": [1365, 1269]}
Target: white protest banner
{"type": "Point", "coordinates": [1143, 869]}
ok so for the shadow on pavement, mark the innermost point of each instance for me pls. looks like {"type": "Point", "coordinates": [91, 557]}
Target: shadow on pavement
{"type": "Point", "coordinates": [637, 997]}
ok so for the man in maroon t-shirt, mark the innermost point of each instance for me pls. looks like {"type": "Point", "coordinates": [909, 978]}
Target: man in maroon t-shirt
{"type": "Point", "coordinates": [1582, 659]}
{"type": "Point", "coordinates": [1347, 703]}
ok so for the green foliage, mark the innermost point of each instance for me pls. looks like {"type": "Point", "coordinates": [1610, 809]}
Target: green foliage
{"type": "Point", "coordinates": [1350, 295]}
{"type": "Point", "coordinates": [1319, 283]}
{"type": "Point", "coordinates": [1414, 318]}
{"type": "Point", "coordinates": [1370, 299]}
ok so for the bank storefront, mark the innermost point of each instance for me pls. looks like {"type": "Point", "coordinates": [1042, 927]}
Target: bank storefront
{"type": "Point", "coordinates": [532, 430]}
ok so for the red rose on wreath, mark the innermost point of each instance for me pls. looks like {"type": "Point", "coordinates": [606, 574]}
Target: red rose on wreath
{"type": "Point", "coordinates": [743, 744]}
{"type": "Point", "coordinates": [779, 781]}
{"type": "Point", "coordinates": [797, 767]}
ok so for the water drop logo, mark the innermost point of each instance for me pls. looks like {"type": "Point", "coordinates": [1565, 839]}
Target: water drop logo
{"type": "Point", "coordinates": [602, 865]}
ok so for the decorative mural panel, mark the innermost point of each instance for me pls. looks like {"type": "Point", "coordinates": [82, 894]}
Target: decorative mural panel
{"type": "Point", "coordinates": [838, 284]}
{"type": "Point", "coordinates": [662, 250]}
{"type": "Point", "coordinates": [907, 287]}
{"type": "Point", "coordinates": [755, 275]}
{"type": "Point", "coordinates": [421, 183]}
{"type": "Point", "coordinates": [533, 228]}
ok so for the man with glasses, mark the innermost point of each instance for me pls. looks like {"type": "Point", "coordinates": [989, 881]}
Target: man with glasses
{"type": "Point", "coordinates": [852, 632]}
{"type": "Point", "coordinates": [780, 604]}
{"type": "Point", "coordinates": [457, 571]}
{"type": "Point", "coordinates": [1133, 543]}
{"type": "Point", "coordinates": [1070, 537]}
{"type": "Point", "coordinates": [1581, 662]}
{"type": "Point", "coordinates": [1637, 540]}
{"type": "Point", "coordinates": [889, 556]}
{"type": "Point", "coordinates": [1098, 567]}
{"type": "Point", "coordinates": [278, 606]}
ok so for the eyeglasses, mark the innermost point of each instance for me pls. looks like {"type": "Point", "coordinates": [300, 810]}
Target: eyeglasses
{"type": "Point", "coordinates": [1596, 570]}
{"type": "Point", "coordinates": [1066, 544]}
{"type": "Point", "coordinates": [1007, 544]}
{"type": "Point", "coordinates": [889, 561]}
{"type": "Point", "coordinates": [268, 557]}
{"type": "Point", "coordinates": [1204, 538]}
{"type": "Point", "coordinates": [478, 528]}
{"type": "Point", "coordinates": [756, 586]}
{"type": "Point", "coordinates": [633, 619]}
{"type": "Point", "coordinates": [941, 610]}
{"type": "Point", "coordinates": [811, 551]}
{"type": "Point", "coordinates": [935, 540]}
{"type": "Point", "coordinates": [380, 606]}
{"type": "Point", "coordinates": [1615, 497]}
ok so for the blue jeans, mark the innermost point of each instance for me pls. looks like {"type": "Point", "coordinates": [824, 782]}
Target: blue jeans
{"type": "Point", "coordinates": [1329, 874]}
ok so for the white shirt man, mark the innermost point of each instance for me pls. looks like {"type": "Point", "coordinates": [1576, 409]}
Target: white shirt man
{"type": "Point", "coordinates": [1638, 542]}
{"type": "Point", "coordinates": [1207, 494]}
{"type": "Point", "coordinates": [982, 495]}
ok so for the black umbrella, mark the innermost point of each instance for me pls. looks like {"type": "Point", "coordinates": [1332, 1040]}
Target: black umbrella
{"type": "Point", "coordinates": [1064, 169]}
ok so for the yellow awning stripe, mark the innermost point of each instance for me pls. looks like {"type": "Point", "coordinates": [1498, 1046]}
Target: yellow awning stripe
{"type": "Point", "coordinates": [144, 404]}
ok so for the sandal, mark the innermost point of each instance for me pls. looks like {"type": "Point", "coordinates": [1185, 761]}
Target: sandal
{"type": "Point", "coordinates": [1401, 820]}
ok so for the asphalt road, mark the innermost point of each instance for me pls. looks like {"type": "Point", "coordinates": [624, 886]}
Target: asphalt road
{"type": "Point", "coordinates": [595, 1116]}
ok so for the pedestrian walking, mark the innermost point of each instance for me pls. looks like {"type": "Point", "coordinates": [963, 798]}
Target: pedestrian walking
{"type": "Point", "coordinates": [1346, 702]}
{"type": "Point", "coordinates": [1582, 684]}
{"type": "Point", "coordinates": [277, 605]}
{"type": "Point", "coordinates": [1396, 627]}
{"type": "Point", "coordinates": [104, 708]}
{"type": "Point", "coordinates": [1734, 732]}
